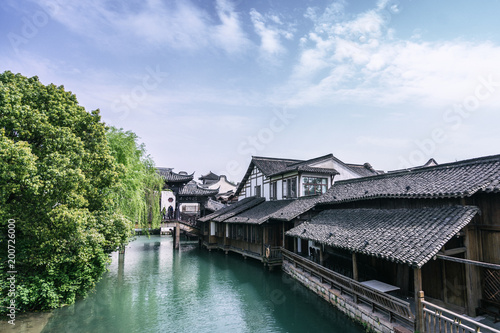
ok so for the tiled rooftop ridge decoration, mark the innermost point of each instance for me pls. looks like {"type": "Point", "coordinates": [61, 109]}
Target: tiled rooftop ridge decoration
{"type": "Point", "coordinates": [169, 175]}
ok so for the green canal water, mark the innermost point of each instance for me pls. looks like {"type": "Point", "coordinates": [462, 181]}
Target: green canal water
{"type": "Point", "coordinates": [157, 289]}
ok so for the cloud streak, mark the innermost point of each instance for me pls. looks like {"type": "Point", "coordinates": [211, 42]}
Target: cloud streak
{"type": "Point", "coordinates": [177, 25]}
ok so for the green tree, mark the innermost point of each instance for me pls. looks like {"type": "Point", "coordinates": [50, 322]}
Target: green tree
{"type": "Point", "coordinates": [137, 194]}
{"type": "Point", "coordinates": [58, 181]}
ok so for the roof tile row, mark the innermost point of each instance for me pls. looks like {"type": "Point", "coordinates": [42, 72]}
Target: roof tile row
{"type": "Point", "coordinates": [409, 236]}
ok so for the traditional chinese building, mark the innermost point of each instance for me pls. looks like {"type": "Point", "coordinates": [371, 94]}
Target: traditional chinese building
{"type": "Point", "coordinates": [183, 197]}
{"type": "Point", "coordinates": [226, 188]}
{"type": "Point", "coordinates": [278, 178]}
{"type": "Point", "coordinates": [430, 232]}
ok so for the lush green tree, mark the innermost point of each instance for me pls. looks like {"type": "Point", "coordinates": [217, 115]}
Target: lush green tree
{"type": "Point", "coordinates": [137, 195]}
{"type": "Point", "coordinates": [58, 181]}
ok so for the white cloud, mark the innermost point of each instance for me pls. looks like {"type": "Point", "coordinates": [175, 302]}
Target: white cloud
{"type": "Point", "coordinates": [271, 30]}
{"type": "Point", "coordinates": [179, 25]}
{"type": "Point", "coordinates": [357, 58]}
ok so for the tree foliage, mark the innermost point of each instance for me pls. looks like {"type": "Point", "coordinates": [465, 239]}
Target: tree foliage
{"type": "Point", "coordinates": [137, 196]}
{"type": "Point", "coordinates": [66, 184]}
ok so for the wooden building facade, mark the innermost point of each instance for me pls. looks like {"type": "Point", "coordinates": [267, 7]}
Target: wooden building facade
{"type": "Point", "coordinates": [255, 227]}
{"type": "Point", "coordinates": [434, 229]}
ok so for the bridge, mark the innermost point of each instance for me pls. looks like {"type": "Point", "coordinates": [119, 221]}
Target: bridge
{"type": "Point", "coordinates": [190, 228]}
{"type": "Point", "coordinates": [186, 227]}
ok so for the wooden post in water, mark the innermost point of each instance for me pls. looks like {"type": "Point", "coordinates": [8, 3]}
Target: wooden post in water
{"type": "Point", "coordinates": [177, 236]}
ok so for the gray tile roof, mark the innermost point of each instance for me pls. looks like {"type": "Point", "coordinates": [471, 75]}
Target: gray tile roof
{"type": "Point", "coordinates": [170, 176]}
{"type": "Point", "coordinates": [270, 166]}
{"type": "Point", "coordinates": [232, 209]}
{"type": "Point", "coordinates": [209, 176]}
{"type": "Point", "coordinates": [364, 170]}
{"type": "Point", "coordinates": [260, 213]}
{"type": "Point", "coordinates": [295, 208]}
{"type": "Point", "coordinates": [193, 189]}
{"type": "Point", "coordinates": [303, 166]}
{"type": "Point", "coordinates": [214, 205]}
{"type": "Point", "coordinates": [408, 236]}
{"type": "Point", "coordinates": [459, 179]}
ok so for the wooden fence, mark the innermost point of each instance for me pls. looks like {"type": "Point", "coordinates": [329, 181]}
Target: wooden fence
{"type": "Point", "coordinates": [396, 308]}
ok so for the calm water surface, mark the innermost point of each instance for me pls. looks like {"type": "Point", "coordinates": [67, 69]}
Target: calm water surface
{"type": "Point", "coordinates": [155, 289]}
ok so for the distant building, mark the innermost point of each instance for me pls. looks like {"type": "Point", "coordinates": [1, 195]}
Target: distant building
{"type": "Point", "coordinates": [182, 197]}
{"type": "Point", "coordinates": [225, 187]}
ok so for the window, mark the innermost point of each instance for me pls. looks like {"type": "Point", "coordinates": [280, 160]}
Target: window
{"type": "Point", "coordinates": [290, 188]}
{"type": "Point", "coordinates": [257, 191]}
{"type": "Point", "coordinates": [273, 190]}
{"type": "Point", "coordinates": [314, 185]}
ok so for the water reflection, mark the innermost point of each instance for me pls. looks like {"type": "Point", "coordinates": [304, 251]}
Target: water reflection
{"type": "Point", "coordinates": [154, 289]}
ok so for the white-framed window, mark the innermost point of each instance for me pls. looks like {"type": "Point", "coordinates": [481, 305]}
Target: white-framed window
{"type": "Point", "coordinates": [314, 185]}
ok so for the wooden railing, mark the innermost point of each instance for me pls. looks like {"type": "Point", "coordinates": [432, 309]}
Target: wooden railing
{"type": "Point", "coordinates": [394, 307]}
{"type": "Point", "coordinates": [437, 319]}
{"type": "Point", "coordinates": [274, 252]}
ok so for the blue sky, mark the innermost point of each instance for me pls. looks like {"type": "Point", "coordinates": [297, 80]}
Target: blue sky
{"type": "Point", "coordinates": [206, 84]}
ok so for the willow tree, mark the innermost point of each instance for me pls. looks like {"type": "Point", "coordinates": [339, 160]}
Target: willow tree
{"type": "Point", "coordinates": [58, 179]}
{"type": "Point", "coordinates": [137, 194]}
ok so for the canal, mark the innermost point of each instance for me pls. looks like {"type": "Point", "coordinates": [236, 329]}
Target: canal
{"type": "Point", "coordinates": [155, 289]}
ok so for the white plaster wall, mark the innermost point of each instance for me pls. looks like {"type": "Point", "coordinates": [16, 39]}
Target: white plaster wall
{"type": "Point", "coordinates": [344, 173]}
{"type": "Point", "coordinates": [329, 164]}
{"type": "Point", "coordinates": [165, 195]}
{"type": "Point", "coordinates": [223, 185]}
{"type": "Point", "coordinates": [279, 190]}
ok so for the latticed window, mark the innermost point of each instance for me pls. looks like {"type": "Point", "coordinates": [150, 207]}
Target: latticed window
{"type": "Point", "coordinates": [314, 185]}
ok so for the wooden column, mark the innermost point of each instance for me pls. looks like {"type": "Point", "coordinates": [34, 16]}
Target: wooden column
{"type": "Point", "coordinates": [177, 238]}
{"type": "Point", "coordinates": [283, 234]}
{"type": "Point", "coordinates": [321, 255]}
{"type": "Point", "coordinates": [295, 240]}
{"type": "Point", "coordinates": [419, 296]}
{"type": "Point", "coordinates": [472, 273]}
{"type": "Point", "coordinates": [355, 274]}
{"type": "Point", "coordinates": [262, 240]}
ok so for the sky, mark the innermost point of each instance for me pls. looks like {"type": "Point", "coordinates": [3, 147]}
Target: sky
{"type": "Point", "coordinates": [206, 84]}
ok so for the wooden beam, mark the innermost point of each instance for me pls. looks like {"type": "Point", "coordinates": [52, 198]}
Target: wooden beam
{"type": "Point", "coordinates": [469, 262]}
{"type": "Point", "coordinates": [452, 252]}
{"type": "Point", "coordinates": [486, 227]}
